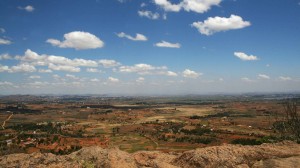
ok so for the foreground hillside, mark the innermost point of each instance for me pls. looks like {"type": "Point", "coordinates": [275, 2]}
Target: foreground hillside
{"type": "Point", "coordinates": [285, 154]}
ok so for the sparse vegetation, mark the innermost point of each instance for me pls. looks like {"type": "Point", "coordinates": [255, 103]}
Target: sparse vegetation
{"type": "Point", "coordinates": [167, 124]}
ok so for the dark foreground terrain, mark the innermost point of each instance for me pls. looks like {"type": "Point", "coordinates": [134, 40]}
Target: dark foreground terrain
{"type": "Point", "coordinates": [284, 154]}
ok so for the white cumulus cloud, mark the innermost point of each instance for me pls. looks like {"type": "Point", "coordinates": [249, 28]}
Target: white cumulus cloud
{"type": "Point", "coordinates": [190, 74]}
{"type": "Point", "coordinates": [4, 41]}
{"type": "Point", "coordinates": [285, 78]}
{"type": "Point", "coordinates": [34, 77]}
{"type": "Point", "coordinates": [136, 68]}
{"type": "Point", "coordinates": [43, 60]}
{"type": "Point", "coordinates": [245, 79]}
{"type": "Point", "coordinates": [146, 69]}
{"type": "Point", "coordinates": [27, 8]}
{"type": "Point", "coordinates": [75, 62]}
{"type": "Point", "coordinates": [138, 37]}
{"type": "Point", "coordinates": [31, 56]}
{"type": "Point", "coordinates": [4, 68]}
{"type": "Point", "coordinates": [108, 63]}
{"type": "Point", "coordinates": [142, 69]}
{"type": "Point", "coordinates": [45, 70]}
{"type": "Point", "coordinates": [217, 24]}
{"type": "Point", "coordinates": [94, 80]}
{"type": "Point", "coordinates": [149, 14]}
{"type": "Point", "coordinates": [93, 70]}
{"type": "Point", "coordinates": [61, 63]}
{"type": "Point", "coordinates": [67, 68]}
{"type": "Point", "coordinates": [263, 76]}
{"type": "Point", "coordinates": [5, 57]}
{"type": "Point", "coordinates": [114, 80]}
{"type": "Point", "coordinates": [168, 6]}
{"type": "Point", "coordinates": [245, 57]}
{"type": "Point", "coordinates": [164, 72]}
{"type": "Point", "coordinates": [79, 40]}
{"type": "Point", "coordinates": [167, 44]}
{"type": "Point", "coordinates": [199, 6]}
{"type": "Point", "coordinates": [73, 77]}
{"type": "Point", "coordinates": [170, 73]}
{"type": "Point", "coordinates": [22, 68]}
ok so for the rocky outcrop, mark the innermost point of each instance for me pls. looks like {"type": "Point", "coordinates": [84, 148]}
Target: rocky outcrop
{"type": "Point", "coordinates": [236, 155]}
{"type": "Point", "coordinates": [285, 154]}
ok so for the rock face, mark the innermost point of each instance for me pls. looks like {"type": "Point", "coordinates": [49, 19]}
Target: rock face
{"type": "Point", "coordinates": [285, 154]}
{"type": "Point", "coordinates": [236, 155]}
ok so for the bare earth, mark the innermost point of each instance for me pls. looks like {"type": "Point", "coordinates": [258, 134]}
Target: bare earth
{"type": "Point", "coordinates": [284, 154]}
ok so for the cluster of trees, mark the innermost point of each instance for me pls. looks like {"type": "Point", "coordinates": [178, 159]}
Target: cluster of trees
{"type": "Point", "coordinates": [217, 115]}
{"type": "Point", "coordinates": [203, 140]}
{"type": "Point", "coordinates": [197, 131]}
{"type": "Point", "coordinates": [246, 141]}
{"type": "Point", "coordinates": [49, 128]}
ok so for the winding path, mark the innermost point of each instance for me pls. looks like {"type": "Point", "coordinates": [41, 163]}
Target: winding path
{"type": "Point", "coordinates": [7, 119]}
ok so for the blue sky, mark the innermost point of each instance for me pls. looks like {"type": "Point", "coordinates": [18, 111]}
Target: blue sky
{"type": "Point", "coordinates": [139, 47]}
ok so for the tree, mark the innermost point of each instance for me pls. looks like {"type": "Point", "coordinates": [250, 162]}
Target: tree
{"type": "Point", "coordinates": [55, 138]}
{"type": "Point", "coordinates": [289, 125]}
